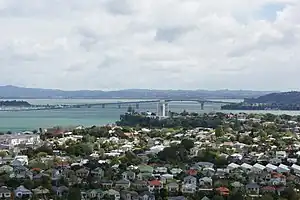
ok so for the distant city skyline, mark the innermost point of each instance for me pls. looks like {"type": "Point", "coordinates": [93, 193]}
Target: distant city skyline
{"type": "Point", "coordinates": [114, 45]}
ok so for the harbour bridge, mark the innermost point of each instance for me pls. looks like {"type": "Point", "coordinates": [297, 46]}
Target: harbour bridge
{"type": "Point", "coordinates": [162, 105]}
{"type": "Point", "coordinates": [166, 101]}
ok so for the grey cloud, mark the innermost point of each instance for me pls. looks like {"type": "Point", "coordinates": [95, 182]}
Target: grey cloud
{"type": "Point", "coordinates": [108, 62]}
{"type": "Point", "coordinates": [122, 38]}
{"type": "Point", "coordinates": [265, 42]}
{"type": "Point", "coordinates": [9, 55]}
{"type": "Point", "coordinates": [77, 67]}
{"type": "Point", "coordinates": [170, 34]}
{"type": "Point", "coordinates": [88, 38]}
{"type": "Point", "coordinates": [119, 7]}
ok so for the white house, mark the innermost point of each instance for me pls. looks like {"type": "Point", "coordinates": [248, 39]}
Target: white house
{"type": "Point", "coordinates": [275, 161]}
{"type": "Point", "coordinates": [232, 166]}
{"type": "Point", "coordinates": [283, 169]}
{"type": "Point", "coordinates": [194, 151]}
{"type": "Point", "coordinates": [145, 130]}
{"type": "Point", "coordinates": [205, 181]}
{"type": "Point", "coordinates": [166, 177]}
{"type": "Point", "coordinates": [188, 188]}
{"type": "Point", "coordinates": [10, 141]}
{"type": "Point", "coordinates": [281, 154]}
{"type": "Point", "coordinates": [156, 149]}
{"type": "Point", "coordinates": [190, 180]}
{"type": "Point", "coordinates": [113, 193]}
{"type": "Point", "coordinates": [246, 167]}
{"type": "Point", "coordinates": [271, 168]}
{"type": "Point", "coordinates": [176, 171]}
{"type": "Point", "coordinates": [5, 193]}
{"type": "Point", "coordinates": [292, 160]}
{"type": "Point", "coordinates": [161, 169]}
{"type": "Point", "coordinates": [257, 168]}
{"type": "Point", "coordinates": [22, 192]}
{"type": "Point", "coordinates": [237, 156]}
{"type": "Point", "coordinates": [296, 168]}
{"type": "Point", "coordinates": [20, 160]}
{"type": "Point", "coordinates": [126, 147]}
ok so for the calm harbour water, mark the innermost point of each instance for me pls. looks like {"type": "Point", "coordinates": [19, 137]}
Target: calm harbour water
{"type": "Point", "coordinates": [30, 120]}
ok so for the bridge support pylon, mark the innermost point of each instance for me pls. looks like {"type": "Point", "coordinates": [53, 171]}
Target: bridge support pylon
{"type": "Point", "coordinates": [162, 109]}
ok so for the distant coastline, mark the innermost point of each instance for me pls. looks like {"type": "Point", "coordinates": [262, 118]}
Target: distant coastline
{"type": "Point", "coordinates": [275, 101]}
{"type": "Point", "coordinates": [14, 92]}
{"type": "Point", "coordinates": [242, 106]}
{"type": "Point", "coordinates": [14, 103]}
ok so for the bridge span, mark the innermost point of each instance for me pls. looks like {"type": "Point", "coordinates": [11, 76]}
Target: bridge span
{"type": "Point", "coordinates": [119, 104]}
{"type": "Point", "coordinates": [151, 101]}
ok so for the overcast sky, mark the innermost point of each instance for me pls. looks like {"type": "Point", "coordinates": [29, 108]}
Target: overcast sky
{"type": "Point", "coordinates": [162, 44]}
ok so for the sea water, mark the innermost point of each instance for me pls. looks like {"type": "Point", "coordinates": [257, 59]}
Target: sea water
{"type": "Point", "coordinates": [96, 115]}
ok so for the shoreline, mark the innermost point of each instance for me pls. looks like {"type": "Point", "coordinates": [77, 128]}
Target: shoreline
{"type": "Point", "coordinates": [113, 122]}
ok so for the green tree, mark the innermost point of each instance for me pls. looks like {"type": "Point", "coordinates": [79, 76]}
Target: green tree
{"type": "Point", "coordinates": [187, 144]}
{"type": "Point", "coordinates": [269, 117]}
{"type": "Point", "coordinates": [290, 194]}
{"type": "Point", "coordinates": [163, 194]}
{"type": "Point", "coordinates": [168, 153]}
{"type": "Point", "coordinates": [29, 184]}
{"type": "Point", "coordinates": [3, 154]}
{"type": "Point", "coordinates": [88, 139]}
{"type": "Point", "coordinates": [45, 149]}
{"type": "Point", "coordinates": [42, 154]}
{"type": "Point", "coordinates": [221, 161]}
{"type": "Point", "coordinates": [37, 164]}
{"type": "Point", "coordinates": [236, 196]}
{"type": "Point", "coordinates": [13, 183]}
{"type": "Point", "coordinates": [267, 197]}
{"type": "Point", "coordinates": [262, 134]}
{"type": "Point", "coordinates": [184, 113]}
{"type": "Point", "coordinates": [74, 193]}
{"type": "Point", "coordinates": [219, 132]}
{"type": "Point", "coordinates": [218, 197]}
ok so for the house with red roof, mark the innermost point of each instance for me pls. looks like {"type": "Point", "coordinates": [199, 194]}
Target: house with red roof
{"type": "Point", "coordinates": [154, 185]}
{"type": "Point", "coordinates": [224, 191]}
{"type": "Point", "coordinates": [36, 169]}
{"type": "Point", "coordinates": [192, 172]}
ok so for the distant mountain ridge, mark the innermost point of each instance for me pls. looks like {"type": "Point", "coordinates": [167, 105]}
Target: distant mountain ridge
{"type": "Point", "coordinates": [14, 92]}
{"type": "Point", "coordinates": [273, 101]}
{"type": "Point", "coordinates": [292, 97]}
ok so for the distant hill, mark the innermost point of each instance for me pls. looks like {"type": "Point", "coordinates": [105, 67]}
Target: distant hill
{"type": "Point", "coordinates": [13, 92]}
{"type": "Point", "coordinates": [273, 101]}
{"type": "Point", "coordinates": [277, 98]}
{"type": "Point", "coordinates": [15, 103]}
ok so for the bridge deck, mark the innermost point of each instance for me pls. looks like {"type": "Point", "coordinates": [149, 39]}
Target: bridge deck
{"type": "Point", "coordinates": [117, 103]}
{"type": "Point", "coordinates": [57, 107]}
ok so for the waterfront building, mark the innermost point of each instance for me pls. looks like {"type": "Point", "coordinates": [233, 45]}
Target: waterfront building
{"type": "Point", "coordinates": [11, 141]}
